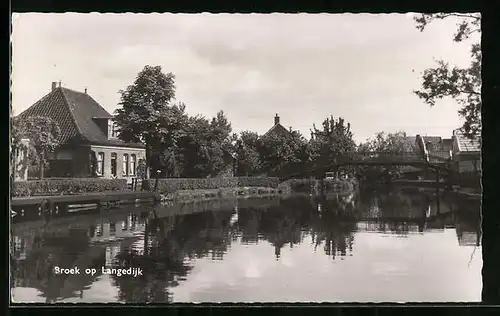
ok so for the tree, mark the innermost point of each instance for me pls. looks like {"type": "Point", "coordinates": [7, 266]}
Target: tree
{"type": "Point", "coordinates": [248, 158]}
{"type": "Point", "coordinates": [333, 140]}
{"type": "Point", "coordinates": [390, 143]}
{"type": "Point", "coordinates": [282, 153]}
{"type": "Point", "coordinates": [206, 146]}
{"type": "Point", "coordinates": [461, 84]}
{"type": "Point", "coordinates": [43, 133]}
{"type": "Point", "coordinates": [147, 114]}
{"type": "Point", "coordinates": [193, 152]}
{"type": "Point", "coordinates": [15, 142]}
{"type": "Point", "coordinates": [220, 143]}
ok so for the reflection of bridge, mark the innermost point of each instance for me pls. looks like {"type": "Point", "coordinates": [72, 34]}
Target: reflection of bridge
{"type": "Point", "coordinates": [376, 158]}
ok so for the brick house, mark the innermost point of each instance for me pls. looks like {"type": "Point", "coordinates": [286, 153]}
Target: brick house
{"type": "Point", "coordinates": [89, 146]}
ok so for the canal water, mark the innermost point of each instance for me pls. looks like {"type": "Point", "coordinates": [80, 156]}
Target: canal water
{"type": "Point", "coordinates": [393, 246]}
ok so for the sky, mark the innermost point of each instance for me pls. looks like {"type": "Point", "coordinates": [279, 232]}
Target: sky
{"type": "Point", "coordinates": [304, 67]}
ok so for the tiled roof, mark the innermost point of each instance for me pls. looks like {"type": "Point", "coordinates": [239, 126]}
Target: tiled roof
{"type": "Point", "coordinates": [466, 144]}
{"type": "Point", "coordinates": [74, 112]}
{"type": "Point", "coordinates": [277, 129]}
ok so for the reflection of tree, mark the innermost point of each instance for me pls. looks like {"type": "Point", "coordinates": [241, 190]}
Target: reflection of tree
{"type": "Point", "coordinates": [393, 203]}
{"type": "Point", "coordinates": [333, 228]}
{"type": "Point", "coordinates": [468, 223]}
{"type": "Point", "coordinates": [169, 242]}
{"type": "Point", "coordinates": [248, 225]}
{"type": "Point", "coordinates": [292, 219]}
{"type": "Point", "coordinates": [49, 250]}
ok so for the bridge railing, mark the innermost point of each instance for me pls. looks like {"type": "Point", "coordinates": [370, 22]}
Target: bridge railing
{"type": "Point", "coordinates": [439, 156]}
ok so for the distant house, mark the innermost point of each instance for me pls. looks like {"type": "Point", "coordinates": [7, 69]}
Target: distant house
{"type": "Point", "coordinates": [437, 149]}
{"type": "Point", "coordinates": [278, 129]}
{"type": "Point", "coordinates": [89, 144]}
{"type": "Point", "coordinates": [466, 153]}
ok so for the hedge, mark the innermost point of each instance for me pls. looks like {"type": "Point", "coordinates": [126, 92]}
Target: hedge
{"type": "Point", "coordinates": [301, 185]}
{"type": "Point", "coordinates": [66, 186]}
{"type": "Point", "coordinates": [172, 185]}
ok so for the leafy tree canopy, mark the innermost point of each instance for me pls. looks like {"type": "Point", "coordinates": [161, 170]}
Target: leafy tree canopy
{"type": "Point", "coordinates": [43, 133]}
{"type": "Point", "coordinates": [249, 160]}
{"type": "Point", "coordinates": [389, 142]}
{"type": "Point", "coordinates": [461, 84]}
{"type": "Point", "coordinates": [334, 139]}
{"type": "Point", "coordinates": [146, 110]}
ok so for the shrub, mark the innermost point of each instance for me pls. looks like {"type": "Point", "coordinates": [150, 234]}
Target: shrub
{"type": "Point", "coordinates": [66, 186]}
{"type": "Point", "coordinates": [301, 185]}
{"type": "Point", "coordinates": [172, 185]}
{"type": "Point", "coordinates": [312, 186]}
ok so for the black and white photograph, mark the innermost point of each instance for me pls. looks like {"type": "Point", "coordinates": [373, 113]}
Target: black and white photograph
{"type": "Point", "coordinates": [245, 158]}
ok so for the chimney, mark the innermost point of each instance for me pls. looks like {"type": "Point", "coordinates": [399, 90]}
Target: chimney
{"type": "Point", "coordinates": [54, 86]}
{"type": "Point", "coordinates": [276, 119]}
{"type": "Point", "coordinates": [85, 90]}
{"type": "Point", "coordinates": [59, 83]}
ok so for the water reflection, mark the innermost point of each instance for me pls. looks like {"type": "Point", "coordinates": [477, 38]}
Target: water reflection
{"type": "Point", "coordinates": [172, 244]}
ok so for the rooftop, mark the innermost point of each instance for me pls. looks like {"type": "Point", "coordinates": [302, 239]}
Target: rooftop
{"type": "Point", "coordinates": [466, 144]}
{"type": "Point", "coordinates": [75, 113]}
{"type": "Point", "coordinates": [277, 128]}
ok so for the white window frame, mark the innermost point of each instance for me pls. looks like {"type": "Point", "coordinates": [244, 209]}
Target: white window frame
{"type": "Point", "coordinates": [99, 163]}
{"type": "Point", "coordinates": [133, 164]}
{"type": "Point", "coordinates": [114, 157]}
{"type": "Point", "coordinates": [125, 165]}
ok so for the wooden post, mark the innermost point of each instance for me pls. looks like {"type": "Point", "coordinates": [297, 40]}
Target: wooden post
{"type": "Point", "coordinates": [478, 234]}
{"type": "Point", "coordinates": [438, 201]}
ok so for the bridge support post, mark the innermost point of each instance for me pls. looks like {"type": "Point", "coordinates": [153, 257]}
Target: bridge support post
{"type": "Point", "coordinates": [438, 201]}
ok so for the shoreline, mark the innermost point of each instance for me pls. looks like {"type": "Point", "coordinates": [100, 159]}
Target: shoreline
{"type": "Point", "coordinates": [220, 192]}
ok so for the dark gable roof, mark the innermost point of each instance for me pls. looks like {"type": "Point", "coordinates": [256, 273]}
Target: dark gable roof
{"type": "Point", "coordinates": [277, 129]}
{"type": "Point", "coordinates": [74, 112]}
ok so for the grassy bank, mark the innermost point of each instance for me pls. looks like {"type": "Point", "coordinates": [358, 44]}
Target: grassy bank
{"type": "Point", "coordinates": [312, 186]}
{"type": "Point", "coordinates": [171, 185]}
{"type": "Point", "coordinates": [200, 194]}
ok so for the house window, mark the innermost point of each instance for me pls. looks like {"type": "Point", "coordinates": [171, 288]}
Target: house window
{"type": "Point", "coordinates": [112, 229]}
{"type": "Point", "coordinates": [113, 164]}
{"type": "Point", "coordinates": [112, 130]}
{"type": "Point", "coordinates": [125, 164]}
{"type": "Point", "coordinates": [100, 164]}
{"type": "Point", "coordinates": [132, 165]}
